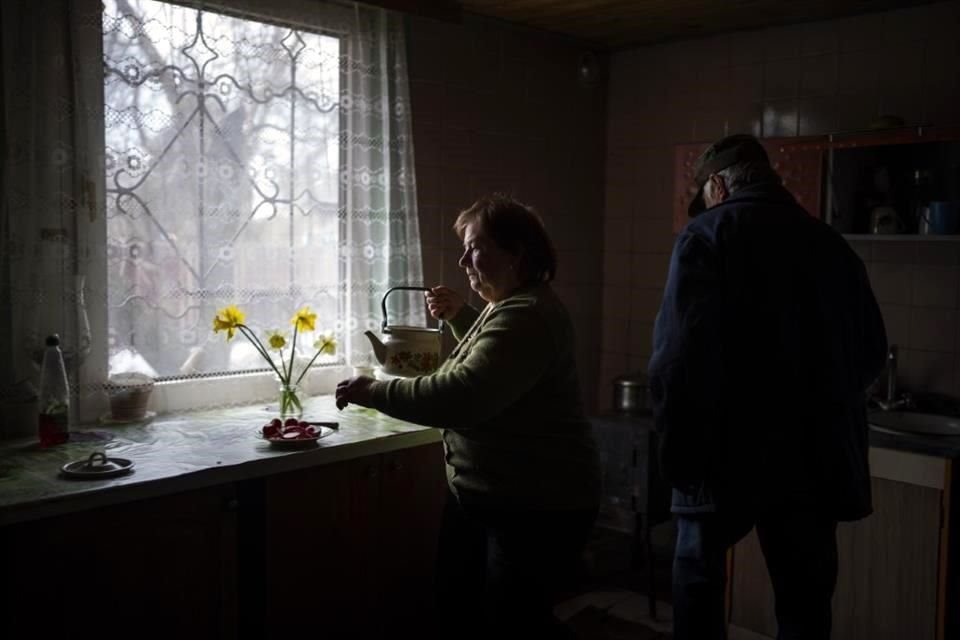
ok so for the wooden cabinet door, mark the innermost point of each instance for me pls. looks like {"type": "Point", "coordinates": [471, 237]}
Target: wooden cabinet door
{"type": "Point", "coordinates": [887, 584]}
{"type": "Point", "coordinates": [413, 492]}
{"type": "Point", "coordinates": [158, 568]}
{"type": "Point", "coordinates": [321, 548]}
{"type": "Point", "coordinates": [887, 579]}
{"type": "Point", "coordinates": [353, 544]}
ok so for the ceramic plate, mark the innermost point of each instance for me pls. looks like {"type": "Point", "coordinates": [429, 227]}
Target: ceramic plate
{"type": "Point", "coordinates": [107, 419]}
{"type": "Point", "coordinates": [82, 469]}
{"type": "Point", "coordinates": [297, 443]}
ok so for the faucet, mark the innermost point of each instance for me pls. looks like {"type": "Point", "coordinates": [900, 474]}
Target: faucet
{"type": "Point", "coordinates": [892, 374]}
{"type": "Point", "coordinates": [892, 402]}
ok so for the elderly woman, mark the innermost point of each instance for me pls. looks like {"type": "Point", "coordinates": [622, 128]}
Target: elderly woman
{"type": "Point", "coordinates": [522, 466]}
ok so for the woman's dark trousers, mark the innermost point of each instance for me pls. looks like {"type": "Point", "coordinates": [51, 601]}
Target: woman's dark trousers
{"type": "Point", "coordinates": [500, 570]}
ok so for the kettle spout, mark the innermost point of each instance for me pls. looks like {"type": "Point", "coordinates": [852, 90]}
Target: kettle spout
{"type": "Point", "coordinates": [379, 349]}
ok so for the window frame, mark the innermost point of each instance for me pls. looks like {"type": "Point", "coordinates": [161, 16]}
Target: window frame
{"type": "Point", "coordinates": [183, 393]}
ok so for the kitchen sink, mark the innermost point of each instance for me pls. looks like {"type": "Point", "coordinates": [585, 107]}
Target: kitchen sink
{"type": "Point", "coordinates": [924, 424]}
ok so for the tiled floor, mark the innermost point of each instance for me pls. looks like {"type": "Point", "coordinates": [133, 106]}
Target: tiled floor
{"type": "Point", "coordinates": [621, 604]}
{"type": "Point", "coordinates": [619, 590]}
{"type": "Point", "coordinates": [614, 592]}
{"type": "Point", "coordinates": [632, 607]}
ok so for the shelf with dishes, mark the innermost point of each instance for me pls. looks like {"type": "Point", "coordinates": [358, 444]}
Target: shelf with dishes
{"type": "Point", "coordinates": [900, 184]}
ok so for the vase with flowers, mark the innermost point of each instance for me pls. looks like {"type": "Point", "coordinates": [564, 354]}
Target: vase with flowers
{"type": "Point", "coordinates": [231, 320]}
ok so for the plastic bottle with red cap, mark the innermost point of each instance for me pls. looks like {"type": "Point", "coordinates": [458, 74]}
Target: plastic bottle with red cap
{"type": "Point", "coordinates": [53, 425]}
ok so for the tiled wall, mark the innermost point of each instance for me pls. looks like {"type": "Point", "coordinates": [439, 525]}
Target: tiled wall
{"type": "Point", "coordinates": [807, 79]}
{"type": "Point", "coordinates": [918, 288]}
{"type": "Point", "coordinates": [500, 108]}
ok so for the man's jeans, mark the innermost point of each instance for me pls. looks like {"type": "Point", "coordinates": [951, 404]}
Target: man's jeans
{"type": "Point", "coordinates": [800, 549]}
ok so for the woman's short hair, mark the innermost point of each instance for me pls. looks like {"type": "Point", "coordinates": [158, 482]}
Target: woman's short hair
{"type": "Point", "coordinates": [517, 229]}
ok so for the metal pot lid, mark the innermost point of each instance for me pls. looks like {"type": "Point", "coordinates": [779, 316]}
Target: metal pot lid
{"type": "Point", "coordinates": [98, 465]}
{"type": "Point", "coordinates": [631, 380]}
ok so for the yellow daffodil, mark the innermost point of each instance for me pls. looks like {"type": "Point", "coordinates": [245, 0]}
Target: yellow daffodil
{"type": "Point", "coordinates": [304, 320]}
{"type": "Point", "coordinates": [276, 339]}
{"type": "Point", "coordinates": [228, 319]}
{"type": "Point", "coordinates": [326, 343]}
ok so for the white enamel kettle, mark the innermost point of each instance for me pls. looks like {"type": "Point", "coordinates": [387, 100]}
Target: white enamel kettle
{"type": "Point", "coordinates": [406, 351]}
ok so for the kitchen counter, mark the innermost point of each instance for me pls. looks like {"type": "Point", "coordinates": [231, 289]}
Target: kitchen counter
{"type": "Point", "coordinates": [182, 451]}
{"type": "Point", "coordinates": [937, 446]}
{"type": "Point", "coordinates": [179, 452]}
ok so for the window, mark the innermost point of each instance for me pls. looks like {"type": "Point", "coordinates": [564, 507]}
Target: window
{"type": "Point", "coordinates": [164, 161]}
{"type": "Point", "coordinates": [222, 166]}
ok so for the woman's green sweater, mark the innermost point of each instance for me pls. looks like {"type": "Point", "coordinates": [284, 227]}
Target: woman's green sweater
{"type": "Point", "coordinates": [508, 401]}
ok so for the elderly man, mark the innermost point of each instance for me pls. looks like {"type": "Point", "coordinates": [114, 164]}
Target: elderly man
{"type": "Point", "coordinates": [766, 340]}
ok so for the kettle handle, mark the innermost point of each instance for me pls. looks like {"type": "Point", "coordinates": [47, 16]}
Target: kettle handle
{"type": "Point", "coordinates": [383, 304]}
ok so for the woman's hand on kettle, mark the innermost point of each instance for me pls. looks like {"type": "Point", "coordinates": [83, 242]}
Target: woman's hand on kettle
{"type": "Point", "coordinates": [355, 390]}
{"type": "Point", "coordinates": [443, 302]}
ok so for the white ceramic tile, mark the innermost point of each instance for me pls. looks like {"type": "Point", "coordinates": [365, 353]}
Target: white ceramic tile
{"type": "Point", "coordinates": [616, 268]}
{"type": "Point", "coordinates": [746, 83]}
{"type": "Point", "coordinates": [926, 371]}
{"type": "Point", "coordinates": [891, 282]}
{"type": "Point", "coordinates": [901, 252]}
{"type": "Point", "coordinates": [939, 253]}
{"type": "Point", "coordinates": [933, 329]}
{"type": "Point", "coordinates": [860, 33]}
{"type": "Point", "coordinates": [614, 334]}
{"type": "Point", "coordinates": [781, 79]}
{"type": "Point", "coordinates": [652, 235]}
{"type": "Point", "coordinates": [817, 116]}
{"type": "Point", "coordinates": [896, 319]}
{"type": "Point", "coordinates": [650, 269]}
{"type": "Point", "coordinates": [780, 119]}
{"type": "Point", "coordinates": [645, 303]}
{"type": "Point", "coordinates": [430, 226]}
{"type": "Point", "coordinates": [818, 75]}
{"type": "Point", "coordinates": [864, 249]}
{"type": "Point", "coordinates": [858, 73]}
{"type": "Point", "coordinates": [614, 300]}
{"type": "Point", "coordinates": [640, 339]}
{"type": "Point", "coordinates": [616, 234]}
{"type": "Point", "coordinates": [935, 286]}
{"type": "Point", "coordinates": [819, 38]}
{"type": "Point", "coordinates": [636, 362]}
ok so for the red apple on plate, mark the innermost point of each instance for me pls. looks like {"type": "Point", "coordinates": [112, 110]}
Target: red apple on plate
{"type": "Point", "coordinates": [271, 431]}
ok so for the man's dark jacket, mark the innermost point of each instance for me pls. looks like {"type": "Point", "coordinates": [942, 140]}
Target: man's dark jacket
{"type": "Point", "coordinates": [766, 340]}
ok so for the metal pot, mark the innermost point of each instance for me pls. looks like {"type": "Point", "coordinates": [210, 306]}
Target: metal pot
{"type": "Point", "coordinates": [631, 394]}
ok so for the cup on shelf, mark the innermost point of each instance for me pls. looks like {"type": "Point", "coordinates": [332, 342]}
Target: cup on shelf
{"type": "Point", "coordinates": [884, 221]}
{"type": "Point", "coordinates": [942, 218]}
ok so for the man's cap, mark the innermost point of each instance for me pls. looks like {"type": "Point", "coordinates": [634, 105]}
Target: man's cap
{"type": "Point", "coordinates": [720, 155]}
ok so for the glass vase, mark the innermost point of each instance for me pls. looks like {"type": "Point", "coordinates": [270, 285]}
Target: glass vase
{"type": "Point", "coordinates": [290, 406]}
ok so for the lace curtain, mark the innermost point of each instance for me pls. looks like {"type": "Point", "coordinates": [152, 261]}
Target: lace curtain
{"type": "Point", "coordinates": [51, 188]}
{"type": "Point", "coordinates": [163, 161]}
